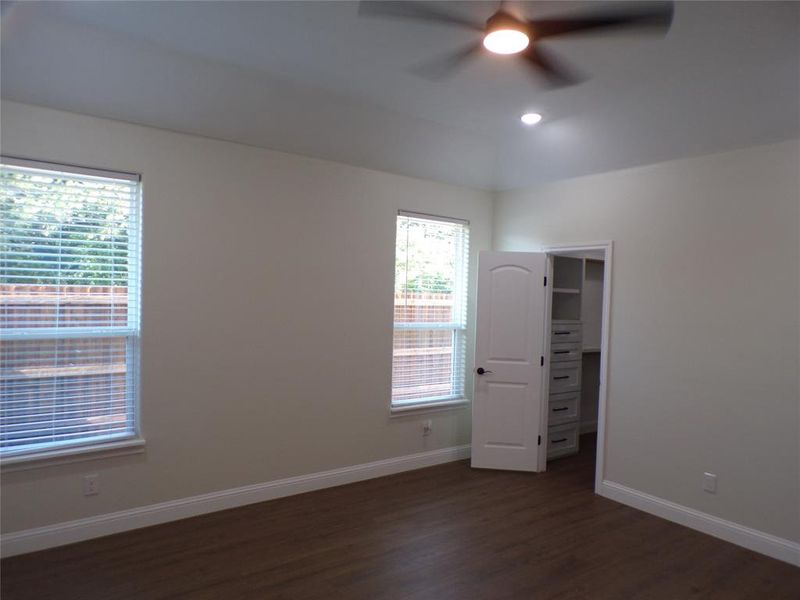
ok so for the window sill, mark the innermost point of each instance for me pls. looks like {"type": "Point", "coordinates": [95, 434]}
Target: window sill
{"type": "Point", "coordinates": [415, 409]}
{"type": "Point", "coordinates": [72, 455]}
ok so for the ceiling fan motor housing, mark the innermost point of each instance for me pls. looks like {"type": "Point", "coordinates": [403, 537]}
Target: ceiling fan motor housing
{"type": "Point", "coordinates": [502, 20]}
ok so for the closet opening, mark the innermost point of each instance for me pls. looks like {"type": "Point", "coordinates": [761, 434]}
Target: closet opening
{"type": "Point", "coordinates": [579, 302]}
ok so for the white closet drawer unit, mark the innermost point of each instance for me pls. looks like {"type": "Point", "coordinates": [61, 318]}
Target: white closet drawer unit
{"type": "Point", "coordinates": [565, 352]}
{"type": "Point", "coordinates": [565, 331]}
{"type": "Point", "coordinates": [562, 439]}
{"type": "Point", "coordinates": [565, 377]}
{"type": "Point", "coordinates": [563, 408]}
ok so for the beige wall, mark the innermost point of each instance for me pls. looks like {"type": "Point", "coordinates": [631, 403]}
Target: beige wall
{"type": "Point", "coordinates": [704, 339]}
{"type": "Point", "coordinates": [280, 363]}
{"type": "Point", "coordinates": [704, 327]}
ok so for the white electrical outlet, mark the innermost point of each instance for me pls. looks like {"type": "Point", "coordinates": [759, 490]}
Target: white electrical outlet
{"type": "Point", "coordinates": [91, 484]}
{"type": "Point", "coordinates": [427, 427]}
{"type": "Point", "coordinates": [710, 483]}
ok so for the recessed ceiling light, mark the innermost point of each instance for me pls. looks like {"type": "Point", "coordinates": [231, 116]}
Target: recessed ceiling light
{"type": "Point", "coordinates": [531, 118]}
{"type": "Point", "coordinates": [506, 41]}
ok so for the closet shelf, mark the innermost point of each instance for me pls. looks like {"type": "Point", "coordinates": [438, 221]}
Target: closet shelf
{"type": "Point", "coordinates": [566, 291]}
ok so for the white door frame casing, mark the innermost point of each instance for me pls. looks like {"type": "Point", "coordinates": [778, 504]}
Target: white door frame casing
{"type": "Point", "coordinates": [607, 247]}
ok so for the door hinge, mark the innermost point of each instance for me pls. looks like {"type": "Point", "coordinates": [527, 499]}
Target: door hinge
{"type": "Point", "coordinates": [541, 361]}
{"type": "Point", "coordinates": [545, 281]}
{"type": "Point", "coordinates": [539, 442]}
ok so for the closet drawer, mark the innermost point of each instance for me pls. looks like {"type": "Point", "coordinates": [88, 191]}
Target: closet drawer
{"type": "Point", "coordinates": [563, 408]}
{"type": "Point", "coordinates": [565, 331]}
{"type": "Point", "coordinates": [562, 352]}
{"type": "Point", "coordinates": [565, 377]}
{"type": "Point", "coordinates": [562, 440]}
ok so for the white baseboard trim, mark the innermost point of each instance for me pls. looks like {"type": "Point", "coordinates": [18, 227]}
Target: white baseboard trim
{"type": "Point", "coordinates": [752, 539]}
{"type": "Point", "coordinates": [50, 536]}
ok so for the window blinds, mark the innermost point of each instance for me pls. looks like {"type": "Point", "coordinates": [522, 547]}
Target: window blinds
{"type": "Point", "coordinates": [430, 309]}
{"type": "Point", "coordinates": [69, 306]}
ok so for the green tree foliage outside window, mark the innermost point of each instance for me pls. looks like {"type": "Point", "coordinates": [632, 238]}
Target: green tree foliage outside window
{"type": "Point", "coordinates": [424, 258]}
{"type": "Point", "coordinates": [77, 225]}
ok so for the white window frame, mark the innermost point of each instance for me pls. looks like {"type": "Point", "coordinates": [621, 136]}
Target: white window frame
{"type": "Point", "coordinates": [130, 442]}
{"type": "Point", "coordinates": [458, 326]}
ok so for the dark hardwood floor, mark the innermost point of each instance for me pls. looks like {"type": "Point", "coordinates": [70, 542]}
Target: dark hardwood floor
{"type": "Point", "coordinates": [447, 532]}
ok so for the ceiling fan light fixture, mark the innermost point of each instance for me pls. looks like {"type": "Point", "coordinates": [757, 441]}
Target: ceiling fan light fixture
{"type": "Point", "coordinates": [506, 41]}
{"type": "Point", "coordinates": [505, 34]}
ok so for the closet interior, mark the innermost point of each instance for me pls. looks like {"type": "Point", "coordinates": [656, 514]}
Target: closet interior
{"type": "Point", "coordinates": [576, 322]}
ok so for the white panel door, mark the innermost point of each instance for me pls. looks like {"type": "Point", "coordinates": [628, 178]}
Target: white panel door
{"type": "Point", "coordinates": [509, 344]}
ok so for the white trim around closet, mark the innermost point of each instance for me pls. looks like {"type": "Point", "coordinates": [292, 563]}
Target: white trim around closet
{"type": "Point", "coordinates": [607, 247]}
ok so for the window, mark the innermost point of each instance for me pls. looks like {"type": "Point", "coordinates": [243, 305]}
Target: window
{"type": "Point", "coordinates": [430, 310]}
{"type": "Point", "coordinates": [69, 307]}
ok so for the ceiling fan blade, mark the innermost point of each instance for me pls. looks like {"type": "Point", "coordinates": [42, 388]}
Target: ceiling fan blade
{"type": "Point", "coordinates": [654, 15]}
{"type": "Point", "coordinates": [419, 11]}
{"type": "Point", "coordinates": [557, 73]}
{"type": "Point", "coordinates": [444, 66]}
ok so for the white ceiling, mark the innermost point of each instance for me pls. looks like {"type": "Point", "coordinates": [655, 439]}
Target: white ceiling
{"type": "Point", "coordinates": [315, 79]}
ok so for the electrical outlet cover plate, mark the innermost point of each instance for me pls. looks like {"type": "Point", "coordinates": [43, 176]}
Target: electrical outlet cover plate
{"type": "Point", "coordinates": [710, 483]}
{"type": "Point", "coordinates": [91, 484]}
